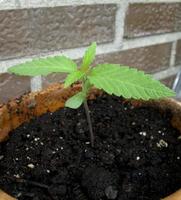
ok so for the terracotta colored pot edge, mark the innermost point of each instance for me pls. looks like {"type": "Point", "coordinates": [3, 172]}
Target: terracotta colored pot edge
{"type": "Point", "coordinates": [21, 110]}
{"type": "Point", "coordinates": [5, 196]}
{"type": "Point", "coordinates": [175, 196]}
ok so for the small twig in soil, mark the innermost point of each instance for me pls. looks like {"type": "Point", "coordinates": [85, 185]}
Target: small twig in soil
{"type": "Point", "coordinates": [89, 123]}
{"type": "Point", "coordinates": [33, 183]}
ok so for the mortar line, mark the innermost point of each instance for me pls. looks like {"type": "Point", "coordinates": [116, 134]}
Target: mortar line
{"type": "Point", "coordinates": [36, 83]}
{"type": "Point", "coordinates": [25, 4]}
{"type": "Point", "coordinates": [173, 54]}
{"type": "Point", "coordinates": [120, 22]}
{"type": "Point", "coordinates": [167, 73]}
{"type": "Point", "coordinates": [155, 1]}
{"type": "Point", "coordinates": [150, 40]}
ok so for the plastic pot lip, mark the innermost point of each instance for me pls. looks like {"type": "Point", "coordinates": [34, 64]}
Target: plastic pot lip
{"type": "Point", "coordinates": [21, 110]}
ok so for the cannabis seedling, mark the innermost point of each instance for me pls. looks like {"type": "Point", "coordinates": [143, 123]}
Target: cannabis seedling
{"type": "Point", "coordinates": [112, 78]}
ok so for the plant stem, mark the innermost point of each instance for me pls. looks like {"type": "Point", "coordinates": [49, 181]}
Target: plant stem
{"type": "Point", "coordinates": [85, 89]}
{"type": "Point", "coordinates": [89, 122]}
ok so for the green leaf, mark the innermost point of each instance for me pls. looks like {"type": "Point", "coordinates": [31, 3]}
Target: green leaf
{"type": "Point", "coordinates": [45, 66]}
{"type": "Point", "coordinates": [127, 82]}
{"type": "Point", "coordinates": [89, 56]}
{"type": "Point", "coordinates": [75, 101]}
{"type": "Point", "coordinates": [86, 87]}
{"type": "Point", "coordinates": [73, 77]}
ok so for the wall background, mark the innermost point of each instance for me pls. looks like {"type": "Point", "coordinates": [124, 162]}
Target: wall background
{"type": "Point", "coordinates": [141, 33]}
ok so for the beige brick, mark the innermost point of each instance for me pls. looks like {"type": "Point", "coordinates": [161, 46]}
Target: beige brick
{"type": "Point", "coordinates": [150, 59]}
{"type": "Point", "coordinates": [12, 86]}
{"type": "Point", "coordinates": [152, 18]}
{"type": "Point", "coordinates": [53, 78]}
{"type": "Point", "coordinates": [33, 31]}
{"type": "Point", "coordinates": [14, 33]}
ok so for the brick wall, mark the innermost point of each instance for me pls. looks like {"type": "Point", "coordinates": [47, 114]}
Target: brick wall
{"type": "Point", "coordinates": [139, 33]}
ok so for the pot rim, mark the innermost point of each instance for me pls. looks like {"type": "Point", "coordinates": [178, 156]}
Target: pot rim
{"type": "Point", "coordinates": [21, 110]}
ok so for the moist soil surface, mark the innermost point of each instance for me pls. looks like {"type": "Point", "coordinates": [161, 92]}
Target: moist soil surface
{"type": "Point", "coordinates": [136, 156]}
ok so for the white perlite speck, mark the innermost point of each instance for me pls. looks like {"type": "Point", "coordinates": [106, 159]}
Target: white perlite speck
{"type": "Point", "coordinates": [36, 139]}
{"type": "Point", "coordinates": [1, 157]}
{"type": "Point", "coordinates": [179, 137]}
{"type": "Point", "coordinates": [31, 166]}
{"type": "Point", "coordinates": [162, 143]}
{"type": "Point", "coordinates": [87, 143]}
{"type": "Point", "coordinates": [16, 175]}
{"type": "Point", "coordinates": [19, 195]}
{"type": "Point", "coordinates": [137, 158]}
{"type": "Point", "coordinates": [178, 157]}
{"type": "Point", "coordinates": [143, 133]}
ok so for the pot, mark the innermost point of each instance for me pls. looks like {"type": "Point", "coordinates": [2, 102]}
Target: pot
{"type": "Point", "coordinates": [21, 110]}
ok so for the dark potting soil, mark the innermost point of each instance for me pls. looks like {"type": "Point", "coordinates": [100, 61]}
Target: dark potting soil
{"type": "Point", "coordinates": [137, 155]}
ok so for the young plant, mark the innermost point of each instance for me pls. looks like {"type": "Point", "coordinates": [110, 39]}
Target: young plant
{"type": "Point", "coordinates": [112, 78]}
